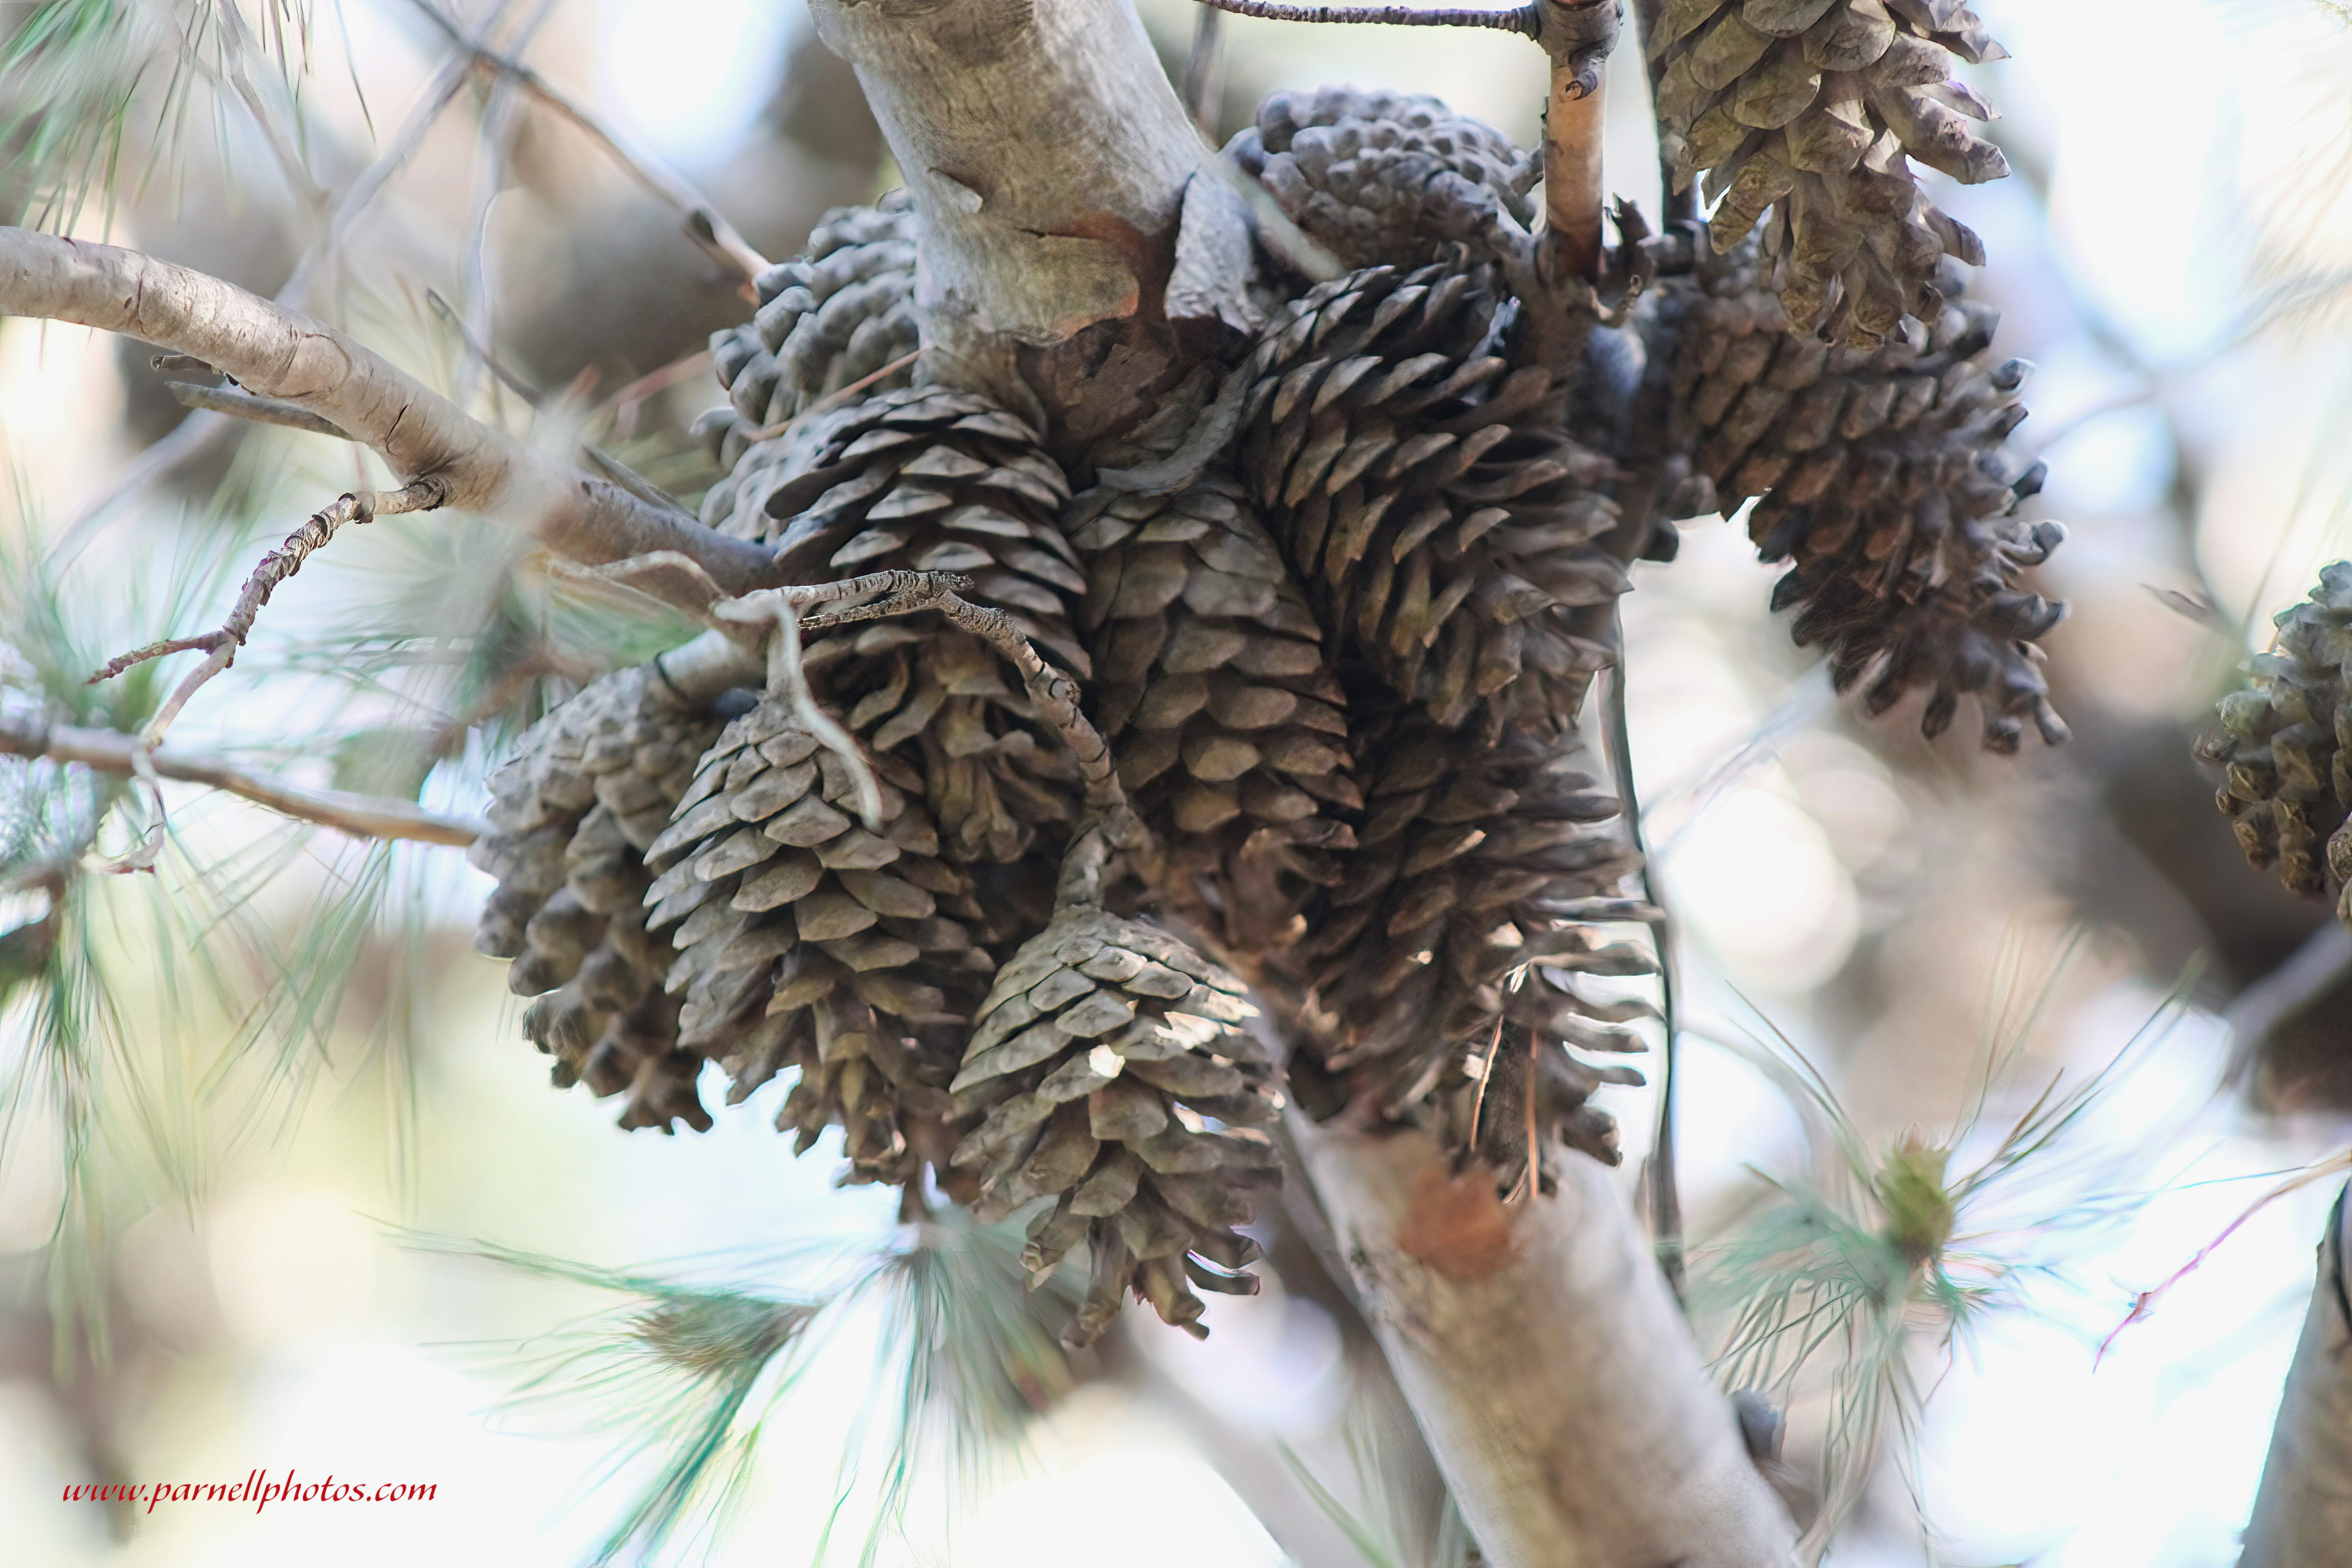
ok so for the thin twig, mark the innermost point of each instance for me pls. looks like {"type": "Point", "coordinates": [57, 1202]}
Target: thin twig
{"type": "Point", "coordinates": [479, 351]}
{"type": "Point", "coordinates": [703, 222]}
{"type": "Point", "coordinates": [358, 815]}
{"type": "Point", "coordinates": [1525, 20]}
{"type": "Point", "coordinates": [245, 405]}
{"type": "Point", "coordinates": [221, 645]}
{"type": "Point", "coordinates": [626, 403]}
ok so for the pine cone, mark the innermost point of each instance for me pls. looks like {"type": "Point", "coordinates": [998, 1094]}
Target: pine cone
{"type": "Point", "coordinates": [835, 314]}
{"type": "Point", "coordinates": [1426, 491]}
{"type": "Point", "coordinates": [1379, 176]}
{"type": "Point", "coordinates": [2287, 785]}
{"type": "Point", "coordinates": [570, 817]}
{"type": "Point", "coordinates": [927, 480]}
{"type": "Point", "coordinates": [805, 939]}
{"type": "Point", "coordinates": [1222, 711]}
{"type": "Point", "coordinates": [1813, 108]}
{"type": "Point", "coordinates": [1439, 963]}
{"type": "Point", "coordinates": [1885, 477]}
{"type": "Point", "coordinates": [1105, 1051]}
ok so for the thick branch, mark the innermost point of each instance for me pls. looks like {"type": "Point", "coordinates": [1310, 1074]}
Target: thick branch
{"type": "Point", "coordinates": [1045, 150]}
{"type": "Point", "coordinates": [2303, 1515]}
{"type": "Point", "coordinates": [360, 815]}
{"type": "Point", "coordinates": [282, 355]}
{"type": "Point", "coordinates": [1544, 1357]}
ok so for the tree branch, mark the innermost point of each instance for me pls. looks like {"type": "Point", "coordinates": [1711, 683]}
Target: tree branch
{"type": "Point", "coordinates": [2303, 1515]}
{"type": "Point", "coordinates": [358, 815]}
{"type": "Point", "coordinates": [1559, 1388]}
{"type": "Point", "coordinates": [285, 356]}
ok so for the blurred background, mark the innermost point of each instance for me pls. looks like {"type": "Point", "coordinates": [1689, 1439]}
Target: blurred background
{"type": "Point", "coordinates": [291, 1050]}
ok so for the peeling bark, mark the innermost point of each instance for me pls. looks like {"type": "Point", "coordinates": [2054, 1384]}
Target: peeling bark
{"type": "Point", "coordinates": [1546, 1361]}
{"type": "Point", "coordinates": [2303, 1515]}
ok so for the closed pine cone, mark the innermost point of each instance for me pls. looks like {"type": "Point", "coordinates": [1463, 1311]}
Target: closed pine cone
{"type": "Point", "coordinates": [1108, 1060]}
{"type": "Point", "coordinates": [1813, 108]}
{"type": "Point", "coordinates": [2286, 784]}
{"type": "Point", "coordinates": [1427, 493]}
{"type": "Point", "coordinates": [932, 480]}
{"type": "Point", "coordinates": [837, 313]}
{"type": "Point", "coordinates": [1481, 867]}
{"type": "Point", "coordinates": [1887, 480]}
{"type": "Point", "coordinates": [1225, 719]}
{"type": "Point", "coordinates": [570, 817]}
{"type": "Point", "coordinates": [806, 940]}
{"type": "Point", "coordinates": [1378, 176]}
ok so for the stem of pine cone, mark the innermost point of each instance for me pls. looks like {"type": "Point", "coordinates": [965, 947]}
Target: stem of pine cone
{"type": "Point", "coordinates": [2303, 1514]}
{"type": "Point", "coordinates": [1578, 35]}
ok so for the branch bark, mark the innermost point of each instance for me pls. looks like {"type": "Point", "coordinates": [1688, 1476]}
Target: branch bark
{"type": "Point", "coordinates": [358, 815]}
{"type": "Point", "coordinates": [1544, 1357]}
{"type": "Point", "coordinates": [2303, 1515]}
{"type": "Point", "coordinates": [283, 355]}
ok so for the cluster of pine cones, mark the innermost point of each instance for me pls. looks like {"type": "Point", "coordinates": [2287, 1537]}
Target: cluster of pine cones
{"type": "Point", "coordinates": [1339, 670]}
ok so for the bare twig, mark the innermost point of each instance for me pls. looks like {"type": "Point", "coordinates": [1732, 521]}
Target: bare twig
{"type": "Point", "coordinates": [703, 222]}
{"type": "Point", "coordinates": [358, 815]}
{"type": "Point", "coordinates": [1525, 20]}
{"type": "Point", "coordinates": [221, 645]}
{"type": "Point", "coordinates": [245, 405]}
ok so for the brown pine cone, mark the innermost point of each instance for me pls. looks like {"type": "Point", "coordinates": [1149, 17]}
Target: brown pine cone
{"type": "Point", "coordinates": [837, 314]}
{"type": "Point", "coordinates": [1440, 963]}
{"type": "Point", "coordinates": [570, 817]}
{"type": "Point", "coordinates": [806, 940]}
{"type": "Point", "coordinates": [1886, 479]}
{"type": "Point", "coordinates": [1379, 177]}
{"type": "Point", "coordinates": [1114, 1076]}
{"type": "Point", "coordinates": [1813, 108]}
{"type": "Point", "coordinates": [2286, 786]}
{"type": "Point", "coordinates": [927, 480]}
{"type": "Point", "coordinates": [1222, 711]}
{"type": "Point", "coordinates": [1426, 491]}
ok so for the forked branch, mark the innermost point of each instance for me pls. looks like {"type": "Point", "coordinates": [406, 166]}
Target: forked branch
{"type": "Point", "coordinates": [220, 647]}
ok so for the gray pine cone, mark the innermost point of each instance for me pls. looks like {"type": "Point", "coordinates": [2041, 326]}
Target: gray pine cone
{"type": "Point", "coordinates": [926, 479]}
{"type": "Point", "coordinates": [833, 315]}
{"type": "Point", "coordinates": [1442, 964]}
{"type": "Point", "coordinates": [805, 939]}
{"type": "Point", "coordinates": [570, 817]}
{"type": "Point", "coordinates": [1427, 492]}
{"type": "Point", "coordinates": [1115, 1078]}
{"type": "Point", "coordinates": [1803, 114]}
{"type": "Point", "coordinates": [1887, 480]}
{"type": "Point", "coordinates": [2286, 786]}
{"type": "Point", "coordinates": [1221, 708]}
{"type": "Point", "coordinates": [1384, 177]}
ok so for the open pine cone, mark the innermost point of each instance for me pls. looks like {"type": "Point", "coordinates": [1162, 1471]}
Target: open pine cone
{"type": "Point", "coordinates": [1379, 177]}
{"type": "Point", "coordinates": [2287, 782]}
{"type": "Point", "coordinates": [1226, 722]}
{"type": "Point", "coordinates": [1442, 961]}
{"type": "Point", "coordinates": [1425, 488]}
{"type": "Point", "coordinates": [1887, 480]}
{"type": "Point", "coordinates": [572, 815]}
{"type": "Point", "coordinates": [841, 312]}
{"type": "Point", "coordinates": [1803, 114]}
{"type": "Point", "coordinates": [1116, 1079]}
{"type": "Point", "coordinates": [807, 940]}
